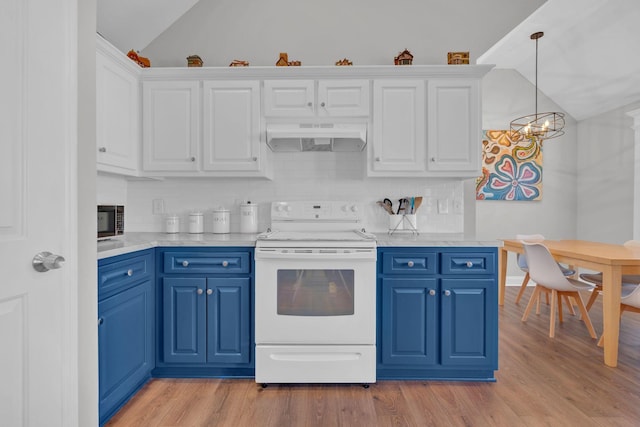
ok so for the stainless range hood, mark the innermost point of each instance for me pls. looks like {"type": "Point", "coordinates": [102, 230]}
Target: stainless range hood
{"type": "Point", "coordinates": [316, 137]}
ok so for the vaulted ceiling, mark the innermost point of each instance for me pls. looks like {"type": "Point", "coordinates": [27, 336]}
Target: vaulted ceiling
{"type": "Point", "coordinates": [588, 59]}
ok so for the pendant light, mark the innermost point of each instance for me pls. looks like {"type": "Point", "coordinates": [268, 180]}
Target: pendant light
{"type": "Point", "coordinates": [539, 126]}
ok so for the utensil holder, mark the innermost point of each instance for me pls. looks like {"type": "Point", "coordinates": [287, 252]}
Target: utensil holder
{"type": "Point", "coordinates": [403, 223]}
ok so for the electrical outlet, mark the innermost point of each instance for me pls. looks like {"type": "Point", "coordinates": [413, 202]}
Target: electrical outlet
{"type": "Point", "coordinates": [443, 206]}
{"type": "Point", "coordinates": [157, 207]}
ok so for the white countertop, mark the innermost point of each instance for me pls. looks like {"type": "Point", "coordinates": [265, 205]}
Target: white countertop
{"type": "Point", "coordinates": [133, 241]}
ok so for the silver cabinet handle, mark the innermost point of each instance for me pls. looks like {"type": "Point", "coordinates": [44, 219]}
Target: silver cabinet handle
{"type": "Point", "coordinates": [377, 159]}
{"type": "Point", "coordinates": [410, 264]}
{"type": "Point", "coordinates": [433, 159]}
{"type": "Point", "coordinates": [192, 159]}
{"type": "Point", "coordinates": [322, 104]}
{"type": "Point", "coordinates": [447, 293]}
{"type": "Point", "coordinates": [225, 263]}
{"type": "Point", "coordinates": [45, 261]}
{"type": "Point", "coordinates": [102, 149]}
{"type": "Point", "coordinates": [469, 264]}
{"type": "Point", "coordinates": [255, 159]}
{"type": "Point", "coordinates": [309, 104]}
{"type": "Point", "coordinates": [209, 291]}
{"type": "Point", "coordinates": [199, 291]}
{"type": "Point", "coordinates": [185, 263]}
{"type": "Point", "coordinates": [129, 272]}
{"type": "Point", "coordinates": [100, 321]}
{"type": "Point", "coordinates": [432, 292]}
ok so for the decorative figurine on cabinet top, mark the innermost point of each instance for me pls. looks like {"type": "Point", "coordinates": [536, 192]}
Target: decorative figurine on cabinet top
{"type": "Point", "coordinates": [140, 60]}
{"type": "Point", "coordinates": [194, 61]}
{"type": "Point", "coordinates": [404, 58]}
{"type": "Point", "coordinates": [283, 61]}
{"type": "Point", "coordinates": [454, 58]}
{"type": "Point", "coordinates": [239, 63]}
{"type": "Point", "coordinates": [344, 61]}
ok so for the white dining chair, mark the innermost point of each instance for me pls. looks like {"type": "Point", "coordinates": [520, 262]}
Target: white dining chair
{"type": "Point", "coordinates": [629, 301]}
{"type": "Point", "coordinates": [544, 270]}
{"type": "Point", "coordinates": [596, 278]}
{"type": "Point", "coordinates": [522, 263]}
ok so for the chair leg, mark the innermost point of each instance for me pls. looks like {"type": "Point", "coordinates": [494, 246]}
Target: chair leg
{"type": "Point", "coordinates": [534, 297]}
{"type": "Point", "coordinates": [522, 287]}
{"type": "Point", "coordinates": [585, 316]}
{"type": "Point", "coordinates": [547, 298]}
{"type": "Point", "coordinates": [570, 303]}
{"type": "Point", "coordinates": [560, 318]}
{"type": "Point", "coordinates": [552, 316]}
{"type": "Point", "coordinates": [594, 295]}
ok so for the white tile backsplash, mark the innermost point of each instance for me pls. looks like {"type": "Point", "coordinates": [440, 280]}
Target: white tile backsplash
{"type": "Point", "coordinates": [297, 176]}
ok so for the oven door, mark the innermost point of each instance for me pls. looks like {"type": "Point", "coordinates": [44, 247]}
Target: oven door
{"type": "Point", "coordinates": [315, 296]}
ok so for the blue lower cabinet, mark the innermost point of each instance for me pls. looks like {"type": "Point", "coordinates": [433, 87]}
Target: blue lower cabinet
{"type": "Point", "coordinates": [439, 322]}
{"type": "Point", "coordinates": [205, 316]}
{"type": "Point", "coordinates": [125, 328]}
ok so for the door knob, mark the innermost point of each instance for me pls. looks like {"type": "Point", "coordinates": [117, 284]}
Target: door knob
{"type": "Point", "coordinates": [45, 261]}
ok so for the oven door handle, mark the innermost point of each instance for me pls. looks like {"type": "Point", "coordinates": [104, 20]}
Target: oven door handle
{"type": "Point", "coordinates": [316, 254]}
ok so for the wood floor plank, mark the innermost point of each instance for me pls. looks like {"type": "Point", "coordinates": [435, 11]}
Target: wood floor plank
{"type": "Point", "coordinates": [541, 381]}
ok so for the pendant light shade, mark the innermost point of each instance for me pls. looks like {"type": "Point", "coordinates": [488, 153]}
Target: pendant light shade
{"type": "Point", "coordinates": [539, 126]}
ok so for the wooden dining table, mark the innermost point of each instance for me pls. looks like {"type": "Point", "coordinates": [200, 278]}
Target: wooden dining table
{"type": "Point", "coordinates": [612, 260]}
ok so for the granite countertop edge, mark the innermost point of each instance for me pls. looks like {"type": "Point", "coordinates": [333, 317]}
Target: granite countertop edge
{"type": "Point", "coordinates": [137, 241]}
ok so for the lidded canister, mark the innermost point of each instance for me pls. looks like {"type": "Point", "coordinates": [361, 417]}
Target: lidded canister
{"type": "Point", "coordinates": [248, 218]}
{"type": "Point", "coordinates": [221, 220]}
{"type": "Point", "coordinates": [196, 222]}
{"type": "Point", "coordinates": [172, 224]}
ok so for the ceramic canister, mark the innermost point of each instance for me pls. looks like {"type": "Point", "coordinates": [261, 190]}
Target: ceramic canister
{"type": "Point", "coordinates": [172, 224]}
{"type": "Point", "coordinates": [196, 222]}
{"type": "Point", "coordinates": [248, 218]}
{"type": "Point", "coordinates": [221, 220]}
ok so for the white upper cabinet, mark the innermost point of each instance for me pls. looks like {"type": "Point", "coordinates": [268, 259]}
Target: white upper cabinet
{"type": "Point", "coordinates": [171, 126]}
{"type": "Point", "coordinates": [454, 127]}
{"type": "Point", "coordinates": [322, 98]}
{"type": "Point", "coordinates": [231, 133]}
{"type": "Point", "coordinates": [399, 135]}
{"type": "Point", "coordinates": [117, 111]}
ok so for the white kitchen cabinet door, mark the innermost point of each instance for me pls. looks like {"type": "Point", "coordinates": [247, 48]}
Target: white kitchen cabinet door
{"type": "Point", "coordinates": [454, 127]}
{"type": "Point", "coordinates": [343, 98]}
{"type": "Point", "coordinates": [399, 128]}
{"type": "Point", "coordinates": [333, 98]}
{"type": "Point", "coordinates": [289, 98]}
{"type": "Point", "coordinates": [231, 126]}
{"type": "Point", "coordinates": [171, 120]}
{"type": "Point", "coordinates": [117, 116]}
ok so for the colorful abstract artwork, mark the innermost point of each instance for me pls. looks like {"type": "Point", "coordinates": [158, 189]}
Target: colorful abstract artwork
{"type": "Point", "coordinates": [511, 167]}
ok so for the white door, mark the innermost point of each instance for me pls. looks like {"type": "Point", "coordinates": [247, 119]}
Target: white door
{"type": "Point", "coordinates": [38, 342]}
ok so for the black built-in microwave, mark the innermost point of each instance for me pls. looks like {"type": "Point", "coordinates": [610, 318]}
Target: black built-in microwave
{"type": "Point", "coordinates": [110, 221]}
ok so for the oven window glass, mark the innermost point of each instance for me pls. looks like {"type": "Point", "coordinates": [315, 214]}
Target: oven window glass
{"type": "Point", "coordinates": [315, 292]}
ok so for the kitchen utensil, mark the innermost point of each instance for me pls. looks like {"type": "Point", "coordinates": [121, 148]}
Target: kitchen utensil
{"type": "Point", "coordinates": [386, 205]}
{"type": "Point", "coordinates": [417, 203]}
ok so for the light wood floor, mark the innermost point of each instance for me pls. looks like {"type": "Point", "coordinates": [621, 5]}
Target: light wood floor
{"type": "Point", "coordinates": [540, 382]}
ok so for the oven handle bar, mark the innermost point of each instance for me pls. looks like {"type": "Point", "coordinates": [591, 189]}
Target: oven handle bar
{"type": "Point", "coordinates": [316, 254]}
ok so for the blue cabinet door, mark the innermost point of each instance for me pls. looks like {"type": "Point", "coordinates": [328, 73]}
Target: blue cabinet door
{"type": "Point", "coordinates": [184, 320]}
{"type": "Point", "coordinates": [228, 318]}
{"type": "Point", "coordinates": [469, 322]}
{"type": "Point", "coordinates": [125, 347]}
{"type": "Point", "coordinates": [409, 321]}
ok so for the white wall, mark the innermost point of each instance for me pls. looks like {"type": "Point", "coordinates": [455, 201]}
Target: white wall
{"type": "Point", "coordinates": [298, 176]}
{"type": "Point", "coordinates": [369, 32]}
{"type": "Point", "coordinates": [507, 95]}
{"type": "Point", "coordinates": [606, 169]}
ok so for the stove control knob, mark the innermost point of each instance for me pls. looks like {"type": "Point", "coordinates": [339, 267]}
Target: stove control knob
{"type": "Point", "coordinates": [287, 208]}
{"type": "Point", "coordinates": [354, 208]}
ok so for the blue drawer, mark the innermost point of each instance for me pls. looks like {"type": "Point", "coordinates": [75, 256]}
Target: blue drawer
{"type": "Point", "coordinates": [207, 262]}
{"type": "Point", "coordinates": [408, 263]}
{"type": "Point", "coordinates": [120, 275]}
{"type": "Point", "coordinates": [468, 263]}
